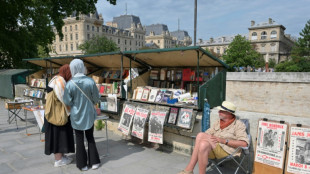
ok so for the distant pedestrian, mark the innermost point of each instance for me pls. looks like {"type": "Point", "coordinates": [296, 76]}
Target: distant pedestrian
{"type": "Point", "coordinates": [59, 139]}
{"type": "Point", "coordinates": [81, 93]}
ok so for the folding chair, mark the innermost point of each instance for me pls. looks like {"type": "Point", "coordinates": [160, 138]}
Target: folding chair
{"type": "Point", "coordinates": [244, 153]}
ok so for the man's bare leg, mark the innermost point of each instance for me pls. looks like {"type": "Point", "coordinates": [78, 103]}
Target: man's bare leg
{"type": "Point", "coordinates": [201, 137]}
{"type": "Point", "coordinates": [203, 154]}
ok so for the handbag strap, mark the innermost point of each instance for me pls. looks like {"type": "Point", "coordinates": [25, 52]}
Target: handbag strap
{"type": "Point", "coordinates": [81, 90]}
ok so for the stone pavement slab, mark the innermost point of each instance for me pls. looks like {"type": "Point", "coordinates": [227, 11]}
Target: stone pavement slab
{"type": "Point", "coordinates": [24, 154]}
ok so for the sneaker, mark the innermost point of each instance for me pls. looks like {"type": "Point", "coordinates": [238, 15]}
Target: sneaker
{"type": "Point", "coordinates": [95, 166]}
{"type": "Point", "coordinates": [64, 161]}
{"type": "Point", "coordinates": [84, 168]}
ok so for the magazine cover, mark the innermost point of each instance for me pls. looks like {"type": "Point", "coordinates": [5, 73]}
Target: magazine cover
{"type": "Point", "coordinates": [173, 115]}
{"type": "Point", "coordinates": [160, 96]}
{"type": "Point", "coordinates": [185, 118]}
{"type": "Point", "coordinates": [299, 152]}
{"type": "Point", "coordinates": [139, 122]}
{"type": "Point", "coordinates": [153, 94]}
{"type": "Point", "coordinates": [126, 119]}
{"type": "Point", "coordinates": [156, 126]}
{"type": "Point", "coordinates": [270, 143]}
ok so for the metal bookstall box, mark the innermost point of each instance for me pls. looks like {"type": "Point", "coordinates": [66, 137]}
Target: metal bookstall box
{"type": "Point", "coordinates": [9, 78]}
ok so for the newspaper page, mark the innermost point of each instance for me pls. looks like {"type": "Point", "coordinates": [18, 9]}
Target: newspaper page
{"type": "Point", "coordinates": [156, 126]}
{"type": "Point", "coordinates": [39, 115]}
{"type": "Point", "coordinates": [299, 153]}
{"type": "Point", "coordinates": [126, 119]}
{"type": "Point", "coordinates": [139, 122]}
{"type": "Point", "coordinates": [270, 143]}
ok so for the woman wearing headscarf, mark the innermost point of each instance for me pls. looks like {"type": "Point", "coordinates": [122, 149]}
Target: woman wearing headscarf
{"type": "Point", "coordinates": [81, 94]}
{"type": "Point", "coordinates": [59, 139]}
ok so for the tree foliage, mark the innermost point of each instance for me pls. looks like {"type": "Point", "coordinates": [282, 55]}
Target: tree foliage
{"type": "Point", "coordinates": [98, 44]}
{"type": "Point", "coordinates": [240, 53]}
{"type": "Point", "coordinates": [26, 24]}
{"type": "Point", "coordinates": [300, 56]}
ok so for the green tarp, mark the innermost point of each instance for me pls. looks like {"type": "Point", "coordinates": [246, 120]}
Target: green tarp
{"type": "Point", "coordinates": [9, 78]}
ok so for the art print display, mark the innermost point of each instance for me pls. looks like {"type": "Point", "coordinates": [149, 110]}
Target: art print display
{"type": "Point", "coordinates": [185, 118]}
{"type": "Point", "coordinates": [156, 126]}
{"type": "Point", "coordinates": [299, 151]}
{"type": "Point", "coordinates": [173, 115]}
{"type": "Point", "coordinates": [39, 115]}
{"type": "Point", "coordinates": [126, 119]}
{"type": "Point", "coordinates": [270, 147]}
{"type": "Point", "coordinates": [139, 122]}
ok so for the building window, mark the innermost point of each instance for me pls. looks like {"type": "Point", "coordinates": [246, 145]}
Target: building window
{"type": "Point", "coordinates": [97, 29]}
{"type": "Point", "coordinates": [125, 42]}
{"type": "Point", "coordinates": [263, 35]}
{"type": "Point", "coordinates": [136, 43]}
{"type": "Point", "coordinates": [77, 46]}
{"type": "Point", "coordinates": [130, 42]}
{"type": "Point", "coordinates": [262, 48]}
{"type": "Point", "coordinates": [273, 34]}
{"type": "Point", "coordinates": [71, 37]}
{"type": "Point", "coordinates": [218, 50]}
{"type": "Point", "coordinates": [76, 36]}
{"type": "Point", "coordinates": [76, 27]}
{"type": "Point", "coordinates": [66, 38]}
{"type": "Point", "coordinates": [88, 37]}
{"type": "Point", "coordinates": [70, 27]}
{"type": "Point", "coordinates": [59, 47]}
{"type": "Point", "coordinates": [125, 49]}
{"type": "Point", "coordinates": [118, 41]}
{"type": "Point", "coordinates": [71, 47]}
{"type": "Point", "coordinates": [254, 36]}
{"type": "Point", "coordinates": [158, 41]}
{"type": "Point", "coordinates": [65, 29]}
{"type": "Point", "coordinates": [66, 47]}
{"type": "Point", "coordinates": [88, 27]}
{"type": "Point", "coordinates": [139, 43]}
{"type": "Point", "coordinates": [92, 28]}
{"type": "Point", "coordinates": [139, 36]}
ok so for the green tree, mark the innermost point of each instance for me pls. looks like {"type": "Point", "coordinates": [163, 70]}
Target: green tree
{"type": "Point", "coordinates": [271, 63]}
{"type": "Point", "coordinates": [300, 57]}
{"type": "Point", "coordinates": [98, 44]}
{"type": "Point", "coordinates": [26, 24]}
{"type": "Point", "coordinates": [241, 53]}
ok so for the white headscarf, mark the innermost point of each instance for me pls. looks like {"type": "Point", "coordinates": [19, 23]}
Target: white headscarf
{"type": "Point", "coordinates": [77, 67]}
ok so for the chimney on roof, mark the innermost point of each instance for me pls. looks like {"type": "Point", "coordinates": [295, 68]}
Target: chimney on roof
{"type": "Point", "coordinates": [270, 21]}
{"type": "Point", "coordinates": [223, 39]}
{"type": "Point", "coordinates": [252, 23]}
{"type": "Point", "coordinates": [211, 40]}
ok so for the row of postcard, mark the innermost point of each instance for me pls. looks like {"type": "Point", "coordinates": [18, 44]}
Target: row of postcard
{"type": "Point", "coordinates": [152, 94]}
{"type": "Point", "coordinates": [40, 83]}
{"type": "Point", "coordinates": [109, 88]}
{"type": "Point", "coordinates": [137, 117]}
{"type": "Point", "coordinates": [34, 93]}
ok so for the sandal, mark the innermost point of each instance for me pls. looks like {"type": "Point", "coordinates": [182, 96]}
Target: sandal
{"type": "Point", "coordinates": [186, 172]}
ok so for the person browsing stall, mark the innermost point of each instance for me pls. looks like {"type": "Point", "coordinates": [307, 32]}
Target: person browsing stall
{"type": "Point", "coordinates": [220, 140]}
{"type": "Point", "coordinates": [81, 94]}
{"type": "Point", "coordinates": [59, 139]}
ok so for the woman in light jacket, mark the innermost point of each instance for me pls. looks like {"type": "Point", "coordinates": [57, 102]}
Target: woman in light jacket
{"type": "Point", "coordinates": [81, 94]}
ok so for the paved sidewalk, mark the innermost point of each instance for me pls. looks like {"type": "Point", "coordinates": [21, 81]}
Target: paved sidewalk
{"type": "Point", "coordinates": [24, 154]}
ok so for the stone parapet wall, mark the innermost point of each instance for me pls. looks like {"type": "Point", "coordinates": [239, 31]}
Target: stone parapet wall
{"type": "Point", "coordinates": [286, 94]}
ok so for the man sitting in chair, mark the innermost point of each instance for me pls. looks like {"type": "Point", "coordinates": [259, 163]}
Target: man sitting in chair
{"type": "Point", "coordinates": [220, 140]}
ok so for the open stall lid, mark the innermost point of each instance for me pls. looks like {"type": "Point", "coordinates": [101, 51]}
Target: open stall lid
{"type": "Point", "coordinates": [176, 57]}
{"type": "Point", "coordinates": [171, 57]}
{"type": "Point", "coordinates": [101, 60]}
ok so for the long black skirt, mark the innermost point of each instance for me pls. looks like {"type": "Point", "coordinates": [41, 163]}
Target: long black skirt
{"type": "Point", "coordinates": [58, 139]}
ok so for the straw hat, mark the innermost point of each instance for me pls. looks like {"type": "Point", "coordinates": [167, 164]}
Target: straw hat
{"type": "Point", "coordinates": [228, 107]}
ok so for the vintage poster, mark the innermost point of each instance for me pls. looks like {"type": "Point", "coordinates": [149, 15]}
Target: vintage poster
{"type": "Point", "coordinates": [139, 122]}
{"type": "Point", "coordinates": [173, 115]}
{"type": "Point", "coordinates": [126, 119]}
{"type": "Point", "coordinates": [270, 143]}
{"type": "Point", "coordinates": [185, 118]}
{"type": "Point", "coordinates": [39, 115]}
{"type": "Point", "coordinates": [299, 152]}
{"type": "Point", "coordinates": [156, 126]}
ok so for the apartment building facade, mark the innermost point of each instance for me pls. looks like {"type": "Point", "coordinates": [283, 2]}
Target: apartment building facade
{"type": "Point", "coordinates": [78, 31]}
{"type": "Point", "coordinates": [268, 38]}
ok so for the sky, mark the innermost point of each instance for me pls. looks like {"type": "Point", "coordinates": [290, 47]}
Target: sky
{"type": "Point", "coordinates": [215, 18]}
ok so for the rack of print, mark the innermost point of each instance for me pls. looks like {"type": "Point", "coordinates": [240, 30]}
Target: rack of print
{"type": "Point", "coordinates": [38, 112]}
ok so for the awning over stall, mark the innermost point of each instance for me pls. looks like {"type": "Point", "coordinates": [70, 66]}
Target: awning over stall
{"type": "Point", "coordinates": [171, 57]}
{"type": "Point", "coordinates": [9, 78]}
